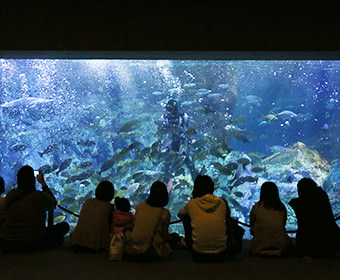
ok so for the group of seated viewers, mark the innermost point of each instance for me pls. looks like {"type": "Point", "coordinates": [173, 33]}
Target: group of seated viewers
{"type": "Point", "coordinates": [210, 232]}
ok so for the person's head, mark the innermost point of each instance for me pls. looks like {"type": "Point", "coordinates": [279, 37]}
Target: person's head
{"type": "Point", "coordinates": [158, 196]}
{"type": "Point", "coordinates": [306, 187]}
{"type": "Point", "coordinates": [172, 106]}
{"type": "Point", "coordinates": [105, 191]}
{"type": "Point", "coordinates": [26, 179]}
{"type": "Point", "coordinates": [2, 185]}
{"type": "Point", "coordinates": [122, 204]}
{"type": "Point", "coordinates": [269, 196]}
{"type": "Point", "coordinates": [203, 185]}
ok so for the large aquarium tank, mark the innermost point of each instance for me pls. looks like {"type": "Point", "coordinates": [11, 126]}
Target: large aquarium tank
{"type": "Point", "coordinates": [134, 120]}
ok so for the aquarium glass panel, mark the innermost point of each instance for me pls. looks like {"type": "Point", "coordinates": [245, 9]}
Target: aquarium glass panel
{"type": "Point", "coordinates": [132, 122]}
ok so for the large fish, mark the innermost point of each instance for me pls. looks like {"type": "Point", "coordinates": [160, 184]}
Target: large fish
{"type": "Point", "coordinates": [26, 102]}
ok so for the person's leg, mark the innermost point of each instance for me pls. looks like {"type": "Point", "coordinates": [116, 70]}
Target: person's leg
{"type": "Point", "coordinates": [55, 235]}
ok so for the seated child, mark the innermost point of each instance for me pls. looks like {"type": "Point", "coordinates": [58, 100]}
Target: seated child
{"type": "Point", "coordinates": [121, 216]}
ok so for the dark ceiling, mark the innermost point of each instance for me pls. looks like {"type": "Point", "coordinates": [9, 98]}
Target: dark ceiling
{"type": "Point", "coordinates": [170, 25]}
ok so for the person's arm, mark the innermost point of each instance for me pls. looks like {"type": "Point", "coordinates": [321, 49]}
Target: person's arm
{"type": "Point", "coordinates": [46, 189]}
{"type": "Point", "coordinates": [183, 212]}
{"type": "Point", "coordinates": [252, 220]}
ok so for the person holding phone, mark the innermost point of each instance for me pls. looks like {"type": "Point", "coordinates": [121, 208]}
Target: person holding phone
{"type": "Point", "coordinates": [24, 228]}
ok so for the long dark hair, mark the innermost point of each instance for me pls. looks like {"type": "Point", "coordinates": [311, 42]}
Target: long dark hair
{"type": "Point", "coordinates": [158, 196]}
{"type": "Point", "coordinates": [269, 197]}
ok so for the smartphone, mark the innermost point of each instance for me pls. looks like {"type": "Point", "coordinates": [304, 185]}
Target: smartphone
{"type": "Point", "coordinates": [36, 173]}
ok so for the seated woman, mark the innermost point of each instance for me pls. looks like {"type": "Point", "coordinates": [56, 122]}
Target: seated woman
{"type": "Point", "coordinates": [204, 220]}
{"type": "Point", "coordinates": [268, 220]}
{"type": "Point", "coordinates": [92, 232]}
{"type": "Point", "coordinates": [24, 227]}
{"type": "Point", "coordinates": [318, 235]}
{"type": "Point", "coordinates": [148, 239]}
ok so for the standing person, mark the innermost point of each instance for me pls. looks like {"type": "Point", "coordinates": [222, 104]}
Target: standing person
{"type": "Point", "coordinates": [318, 235]}
{"type": "Point", "coordinates": [148, 239]}
{"type": "Point", "coordinates": [121, 217]}
{"type": "Point", "coordinates": [92, 232]}
{"type": "Point", "coordinates": [204, 219]}
{"type": "Point", "coordinates": [268, 220]}
{"type": "Point", "coordinates": [24, 227]}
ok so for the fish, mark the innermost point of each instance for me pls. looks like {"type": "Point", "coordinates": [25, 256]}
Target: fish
{"type": "Point", "coordinates": [49, 149]}
{"type": "Point", "coordinates": [86, 143]}
{"type": "Point", "coordinates": [214, 95]}
{"type": "Point", "coordinates": [18, 147]}
{"type": "Point", "coordinates": [252, 100]}
{"type": "Point", "coordinates": [129, 126]}
{"type": "Point", "coordinates": [269, 117]}
{"type": "Point", "coordinates": [241, 136]}
{"type": "Point", "coordinates": [66, 163]}
{"type": "Point", "coordinates": [223, 86]}
{"type": "Point", "coordinates": [244, 161]}
{"type": "Point", "coordinates": [47, 169]}
{"type": "Point", "coordinates": [85, 164]}
{"type": "Point", "coordinates": [26, 102]}
{"type": "Point", "coordinates": [157, 93]}
{"type": "Point", "coordinates": [223, 169]}
{"type": "Point", "coordinates": [189, 85]}
{"type": "Point", "coordinates": [107, 165]}
{"type": "Point", "coordinates": [80, 177]}
{"type": "Point", "coordinates": [239, 194]}
{"type": "Point", "coordinates": [242, 180]}
{"type": "Point", "coordinates": [257, 169]}
{"type": "Point", "coordinates": [287, 115]}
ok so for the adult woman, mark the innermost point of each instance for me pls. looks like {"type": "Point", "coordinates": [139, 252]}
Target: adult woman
{"type": "Point", "coordinates": [268, 219]}
{"type": "Point", "coordinates": [318, 235]}
{"type": "Point", "coordinates": [149, 236]}
{"type": "Point", "coordinates": [92, 232]}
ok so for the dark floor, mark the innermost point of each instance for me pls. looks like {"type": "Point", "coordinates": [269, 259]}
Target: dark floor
{"type": "Point", "coordinates": [62, 263]}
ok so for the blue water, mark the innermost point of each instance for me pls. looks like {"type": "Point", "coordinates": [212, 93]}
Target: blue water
{"type": "Point", "coordinates": [83, 121]}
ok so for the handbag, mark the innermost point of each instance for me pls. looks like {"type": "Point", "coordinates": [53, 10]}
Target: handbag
{"type": "Point", "coordinates": [116, 247]}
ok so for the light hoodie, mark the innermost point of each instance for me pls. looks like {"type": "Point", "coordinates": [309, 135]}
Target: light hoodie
{"type": "Point", "coordinates": [208, 221]}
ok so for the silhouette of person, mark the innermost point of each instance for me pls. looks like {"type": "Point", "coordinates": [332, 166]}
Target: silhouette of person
{"type": "Point", "coordinates": [24, 227]}
{"type": "Point", "coordinates": [2, 190]}
{"type": "Point", "coordinates": [204, 220]}
{"type": "Point", "coordinates": [150, 235]}
{"type": "Point", "coordinates": [122, 218]}
{"type": "Point", "coordinates": [268, 220]}
{"type": "Point", "coordinates": [92, 232]}
{"type": "Point", "coordinates": [2, 201]}
{"type": "Point", "coordinates": [318, 235]}
{"type": "Point", "coordinates": [173, 122]}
